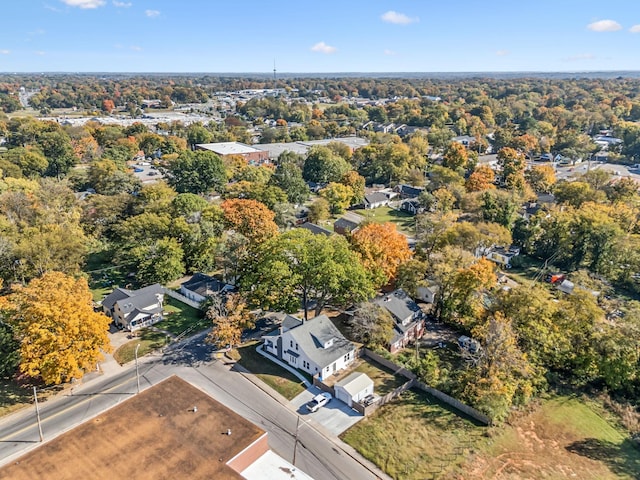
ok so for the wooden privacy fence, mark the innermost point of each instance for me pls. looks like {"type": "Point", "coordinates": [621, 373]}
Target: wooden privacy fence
{"type": "Point", "coordinates": [414, 382]}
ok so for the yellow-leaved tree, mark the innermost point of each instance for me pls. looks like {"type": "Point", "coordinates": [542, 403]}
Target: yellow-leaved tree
{"type": "Point", "coordinates": [382, 249]}
{"type": "Point", "coordinates": [60, 335]}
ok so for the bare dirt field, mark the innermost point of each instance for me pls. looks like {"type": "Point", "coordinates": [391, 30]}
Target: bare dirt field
{"type": "Point", "coordinates": [154, 435]}
{"type": "Point", "coordinates": [562, 439]}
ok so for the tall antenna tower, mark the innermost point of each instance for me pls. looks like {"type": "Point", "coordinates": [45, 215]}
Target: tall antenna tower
{"type": "Point", "coordinates": [274, 74]}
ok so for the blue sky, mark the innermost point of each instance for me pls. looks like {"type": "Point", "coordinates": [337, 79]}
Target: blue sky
{"type": "Point", "coordinates": [328, 36]}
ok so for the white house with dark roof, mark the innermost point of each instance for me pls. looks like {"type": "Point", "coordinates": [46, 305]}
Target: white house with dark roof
{"type": "Point", "coordinates": [135, 309]}
{"type": "Point", "coordinates": [407, 315]}
{"type": "Point", "coordinates": [375, 200]}
{"type": "Point", "coordinates": [199, 287]}
{"type": "Point", "coordinates": [315, 346]}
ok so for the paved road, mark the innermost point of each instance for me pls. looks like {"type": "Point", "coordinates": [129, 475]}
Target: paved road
{"type": "Point", "coordinates": [318, 453]}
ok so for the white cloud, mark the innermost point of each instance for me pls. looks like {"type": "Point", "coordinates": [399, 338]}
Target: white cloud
{"type": "Point", "coordinates": [579, 57]}
{"type": "Point", "coordinates": [502, 53]}
{"type": "Point", "coordinates": [635, 29]}
{"type": "Point", "coordinates": [5, 52]}
{"type": "Point", "coordinates": [389, 52]}
{"type": "Point", "coordinates": [323, 48]}
{"type": "Point", "coordinates": [52, 8]}
{"type": "Point", "coordinates": [121, 4]}
{"type": "Point", "coordinates": [84, 3]}
{"type": "Point", "coordinates": [398, 18]}
{"type": "Point", "coordinates": [604, 26]}
{"type": "Point", "coordinates": [39, 53]}
{"type": "Point", "coordinates": [152, 13]}
{"type": "Point", "coordinates": [135, 48]}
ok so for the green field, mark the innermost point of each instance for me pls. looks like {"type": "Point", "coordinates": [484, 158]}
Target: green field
{"type": "Point", "coordinates": [281, 380]}
{"type": "Point", "coordinates": [416, 437]}
{"type": "Point", "coordinates": [179, 317]}
{"type": "Point", "coordinates": [403, 221]}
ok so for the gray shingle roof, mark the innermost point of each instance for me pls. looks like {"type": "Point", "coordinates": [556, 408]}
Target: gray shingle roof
{"type": "Point", "coordinates": [313, 334]}
{"type": "Point", "coordinates": [375, 197]}
{"type": "Point", "coordinates": [316, 229]}
{"type": "Point", "coordinates": [204, 284]}
{"type": "Point", "coordinates": [400, 305]}
{"type": "Point", "coordinates": [355, 383]}
{"type": "Point", "coordinates": [131, 300]}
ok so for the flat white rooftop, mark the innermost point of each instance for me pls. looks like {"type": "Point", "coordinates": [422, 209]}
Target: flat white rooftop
{"type": "Point", "coordinates": [273, 467]}
{"type": "Point", "coordinates": [228, 148]}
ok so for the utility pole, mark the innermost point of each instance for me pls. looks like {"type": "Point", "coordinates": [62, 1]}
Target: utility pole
{"type": "Point", "coordinates": [137, 372]}
{"type": "Point", "coordinates": [35, 396]}
{"type": "Point", "coordinates": [295, 443]}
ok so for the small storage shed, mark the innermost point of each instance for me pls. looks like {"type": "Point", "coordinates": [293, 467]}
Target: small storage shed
{"type": "Point", "coordinates": [353, 388]}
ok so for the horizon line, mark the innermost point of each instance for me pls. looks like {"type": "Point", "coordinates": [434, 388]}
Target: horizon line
{"type": "Point", "coordinates": [441, 72]}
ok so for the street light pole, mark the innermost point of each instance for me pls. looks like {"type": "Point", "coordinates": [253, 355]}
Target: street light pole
{"type": "Point", "coordinates": [35, 396]}
{"type": "Point", "coordinates": [137, 372]}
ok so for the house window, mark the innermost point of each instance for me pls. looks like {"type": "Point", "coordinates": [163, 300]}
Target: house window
{"type": "Point", "coordinates": [296, 346]}
{"type": "Point", "coordinates": [291, 343]}
{"type": "Point", "coordinates": [347, 356]}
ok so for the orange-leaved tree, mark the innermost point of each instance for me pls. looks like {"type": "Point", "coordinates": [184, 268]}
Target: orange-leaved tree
{"type": "Point", "coordinates": [60, 335]}
{"type": "Point", "coordinates": [481, 179]}
{"type": "Point", "coordinates": [382, 249]}
{"type": "Point", "coordinates": [250, 218]}
{"type": "Point", "coordinates": [230, 315]}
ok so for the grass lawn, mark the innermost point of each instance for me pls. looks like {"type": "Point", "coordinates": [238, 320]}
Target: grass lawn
{"type": "Point", "coordinates": [384, 381]}
{"type": "Point", "coordinates": [148, 340]}
{"type": "Point", "coordinates": [404, 221]}
{"type": "Point", "coordinates": [282, 381]}
{"type": "Point", "coordinates": [14, 396]}
{"type": "Point", "coordinates": [104, 276]}
{"type": "Point", "coordinates": [415, 437]}
{"type": "Point", "coordinates": [180, 317]}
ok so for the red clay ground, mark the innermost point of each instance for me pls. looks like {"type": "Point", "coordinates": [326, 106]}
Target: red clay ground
{"type": "Point", "coordinates": [154, 435]}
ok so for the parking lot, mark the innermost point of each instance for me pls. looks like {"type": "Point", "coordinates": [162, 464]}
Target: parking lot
{"type": "Point", "coordinates": [335, 416]}
{"type": "Point", "coordinates": [146, 173]}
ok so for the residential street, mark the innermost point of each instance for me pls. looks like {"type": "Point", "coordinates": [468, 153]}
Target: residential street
{"type": "Point", "coordinates": [318, 453]}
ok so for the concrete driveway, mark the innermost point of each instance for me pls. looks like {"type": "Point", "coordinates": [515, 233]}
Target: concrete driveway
{"type": "Point", "coordinates": [335, 416]}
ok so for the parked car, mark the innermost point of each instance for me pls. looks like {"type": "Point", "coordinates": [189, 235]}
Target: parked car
{"type": "Point", "coordinates": [318, 401]}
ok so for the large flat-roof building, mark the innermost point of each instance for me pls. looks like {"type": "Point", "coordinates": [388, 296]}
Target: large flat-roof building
{"type": "Point", "coordinates": [301, 148]}
{"type": "Point", "coordinates": [253, 155]}
{"type": "Point", "coordinates": [171, 430]}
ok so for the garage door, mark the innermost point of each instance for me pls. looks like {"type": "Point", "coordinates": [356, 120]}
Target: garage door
{"type": "Point", "coordinates": [343, 395]}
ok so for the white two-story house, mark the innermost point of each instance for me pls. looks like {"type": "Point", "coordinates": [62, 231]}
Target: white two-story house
{"type": "Point", "coordinates": [134, 309]}
{"type": "Point", "coordinates": [315, 346]}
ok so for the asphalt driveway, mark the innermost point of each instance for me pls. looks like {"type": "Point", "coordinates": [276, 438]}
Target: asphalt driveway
{"type": "Point", "coordinates": [335, 416]}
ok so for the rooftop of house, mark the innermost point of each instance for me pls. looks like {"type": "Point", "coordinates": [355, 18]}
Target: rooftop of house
{"type": "Point", "coordinates": [354, 382]}
{"type": "Point", "coordinates": [228, 148]}
{"type": "Point", "coordinates": [130, 300]}
{"type": "Point", "coordinates": [399, 304]}
{"type": "Point", "coordinates": [313, 228]}
{"type": "Point", "coordinates": [156, 434]}
{"type": "Point", "coordinates": [204, 284]}
{"type": "Point", "coordinates": [375, 197]}
{"type": "Point", "coordinates": [313, 334]}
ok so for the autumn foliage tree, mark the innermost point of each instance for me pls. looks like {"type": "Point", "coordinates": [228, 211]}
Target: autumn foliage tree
{"type": "Point", "coordinates": [60, 335]}
{"type": "Point", "coordinates": [382, 249]}
{"type": "Point", "coordinates": [249, 218]}
{"type": "Point", "coordinates": [230, 316]}
{"type": "Point", "coordinates": [481, 179]}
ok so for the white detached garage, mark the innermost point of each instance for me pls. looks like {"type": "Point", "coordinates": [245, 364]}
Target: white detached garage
{"type": "Point", "coordinates": [353, 388]}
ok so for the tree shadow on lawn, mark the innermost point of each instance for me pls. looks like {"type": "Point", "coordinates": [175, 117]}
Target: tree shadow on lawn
{"type": "Point", "coordinates": [622, 459]}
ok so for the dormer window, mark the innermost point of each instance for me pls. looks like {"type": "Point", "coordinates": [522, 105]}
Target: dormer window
{"type": "Point", "coordinates": [328, 343]}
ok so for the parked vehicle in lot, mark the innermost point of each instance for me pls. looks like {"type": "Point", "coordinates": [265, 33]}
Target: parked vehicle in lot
{"type": "Point", "coordinates": [319, 401]}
